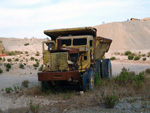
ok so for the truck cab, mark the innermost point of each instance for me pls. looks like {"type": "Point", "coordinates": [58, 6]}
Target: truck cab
{"type": "Point", "coordinates": [71, 55]}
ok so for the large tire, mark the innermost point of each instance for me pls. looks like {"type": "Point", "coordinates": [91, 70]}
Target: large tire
{"type": "Point", "coordinates": [88, 80]}
{"type": "Point", "coordinates": [106, 68]}
{"type": "Point", "coordinates": [98, 68]}
{"type": "Point", "coordinates": [91, 79]}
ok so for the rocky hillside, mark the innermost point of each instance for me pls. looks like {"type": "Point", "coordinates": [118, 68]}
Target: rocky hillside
{"type": "Point", "coordinates": [128, 35]}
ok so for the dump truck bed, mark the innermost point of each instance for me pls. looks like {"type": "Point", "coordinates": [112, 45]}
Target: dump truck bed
{"type": "Point", "coordinates": [71, 31]}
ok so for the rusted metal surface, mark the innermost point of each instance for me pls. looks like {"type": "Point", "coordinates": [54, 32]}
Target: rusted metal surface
{"type": "Point", "coordinates": [58, 76]}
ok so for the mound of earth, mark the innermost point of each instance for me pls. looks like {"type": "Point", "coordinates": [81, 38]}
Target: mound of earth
{"type": "Point", "coordinates": [128, 35]}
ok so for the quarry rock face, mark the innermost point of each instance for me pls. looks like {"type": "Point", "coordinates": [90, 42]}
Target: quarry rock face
{"type": "Point", "coordinates": [1, 47]}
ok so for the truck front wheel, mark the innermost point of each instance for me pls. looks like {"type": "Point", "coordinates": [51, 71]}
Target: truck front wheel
{"type": "Point", "coordinates": [106, 68]}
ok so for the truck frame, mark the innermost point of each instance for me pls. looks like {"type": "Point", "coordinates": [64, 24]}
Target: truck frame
{"type": "Point", "coordinates": [74, 56]}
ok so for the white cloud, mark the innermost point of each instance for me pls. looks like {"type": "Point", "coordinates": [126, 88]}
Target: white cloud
{"type": "Point", "coordinates": [30, 21]}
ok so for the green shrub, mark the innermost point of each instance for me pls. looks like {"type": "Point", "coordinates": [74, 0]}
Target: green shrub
{"type": "Point", "coordinates": [37, 53]}
{"type": "Point", "coordinates": [36, 65]}
{"type": "Point", "coordinates": [25, 83]}
{"type": "Point", "coordinates": [112, 58]}
{"type": "Point", "coordinates": [32, 58]}
{"type": "Point", "coordinates": [130, 57]}
{"type": "Point", "coordinates": [21, 66]}
{"type": "Point", "coordinates": [124, 77]}
{"type": "Point", "coordinates": [111, 100]}
{"type": "Point", "coordinates": [137, 58]}
{"type": "Point", "coordinates": [144, 59]}
{"type": "Point", "coordinates": [1, 58]}
{"type": "Point", "coordinates": [26, 44]}
{"type": "Point", "coordinates": [41, 68]}
{"type": "Point", "coordinates": [9, 60]}
{"type": "Point", "coordinates": [1, 71]}
{"type": "Point", "coordinates": [8, 65]}
{"type": "Point", "coordinates": [128, 52]}
{"type": "Point", "coordinates": [16, 59]}
{"type": "Point", "coordinates": [138, 80]}
{"type": "Point", "coordinates": [26, 52]}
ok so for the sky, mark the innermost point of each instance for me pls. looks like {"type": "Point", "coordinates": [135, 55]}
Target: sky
{"type": "Point", "coordinates": [29, 18]}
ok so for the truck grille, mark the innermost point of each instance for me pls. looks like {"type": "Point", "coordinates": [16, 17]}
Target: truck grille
{"type": "Point", "coordinates": [58, 61]}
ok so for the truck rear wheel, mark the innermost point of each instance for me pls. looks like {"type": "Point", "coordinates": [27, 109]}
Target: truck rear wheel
{"type": "Point", "coordinates": [98, 68]}
{"type": "Point", "coordinates": [106, 68]}
{"type": "Point", "coordinates": [88, 80]}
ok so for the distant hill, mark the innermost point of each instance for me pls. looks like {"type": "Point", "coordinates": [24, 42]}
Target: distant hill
{"type": "Point", "coordinates": [127, 35]}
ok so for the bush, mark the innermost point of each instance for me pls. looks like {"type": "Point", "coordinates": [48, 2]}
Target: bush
{"type": "Point", "coordinates": [21, 66]}
{"type": "Point", "coordinates": [36, 65]}
{"type": "Point", "coordinates": [16, 59]}
{"type": "Point", "coordinates": [41, 68]}
{"type": "Point", "coordinates": [37, 53]}
{"type": "Point", "coordinates": [138, 80]}
{"type": "Point", "coordinates": [9, 60]}
{"type": "Point", "coordinates": [124, 77]}
{"type": "Point", "coordinates": [26, 44]}
{"type": "Point", "coordinates": [128, 52]}
{"type": "Point", "coordinates": [1, 71]}
{"type": "Point", "coordinates": [26, 52]}
{"type": "Point", "coordinates": [8, 65]}
{"type": "Point", "coordinates": [144, 59]}
{"type": "Point", "coordinates": [4, 59]}
{"type": "Point", "coordinates": [137, 58]}
{"type": "Point", "coordinates": [130, 57]}
{"type": "Point", "coordinates": [112, 58]}
{"type": "Point", "coordinates": [1, 58]}
{"type": "Point", "coordinates": [25, 83]}
{"type": "Point", "coordinates": [32, 58]}
{"type": "Point", "coordinates": [111, 100]}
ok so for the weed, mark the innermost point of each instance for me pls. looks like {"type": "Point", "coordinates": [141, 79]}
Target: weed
{"type": "Point", "coordinates": [8, 90]}
{"type": "Point", "coordinates": [130, 57]}
{"type": "Point", "coordinates": [34, 108]}
{"type": "Point", "coordinates": [17, 89]}
{"type": "Point", "coordinates": [21, 66]}
{"type": "Point", "coordinates": [1, 71]}
{"type": "Point", "coordinates": [128, 52]}
{"type": "Point", "coordinates": [144, 59]}
{"type": "Point", "coordinates": [137, 58]}
{"type": "Point", "coordinates": [26, 44]}
{"type": "Point", "coordinates": [9, 60]}
{"type": "Point", "coordinates": [111, 100]}
{"type": "Point", "coordinates": [25, 83]}
{"type": "Point", "coordinates": [113, 58]}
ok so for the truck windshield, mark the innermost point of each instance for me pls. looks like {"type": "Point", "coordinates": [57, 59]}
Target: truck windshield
{"type": "Point", "coordinates": [80, 41]}
{"type": "Point", "coordinates": [67, 42]}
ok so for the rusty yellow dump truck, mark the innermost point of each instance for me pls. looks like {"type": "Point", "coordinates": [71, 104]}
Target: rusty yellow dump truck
{"type": "Point", "coordinates": [73, 56]}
